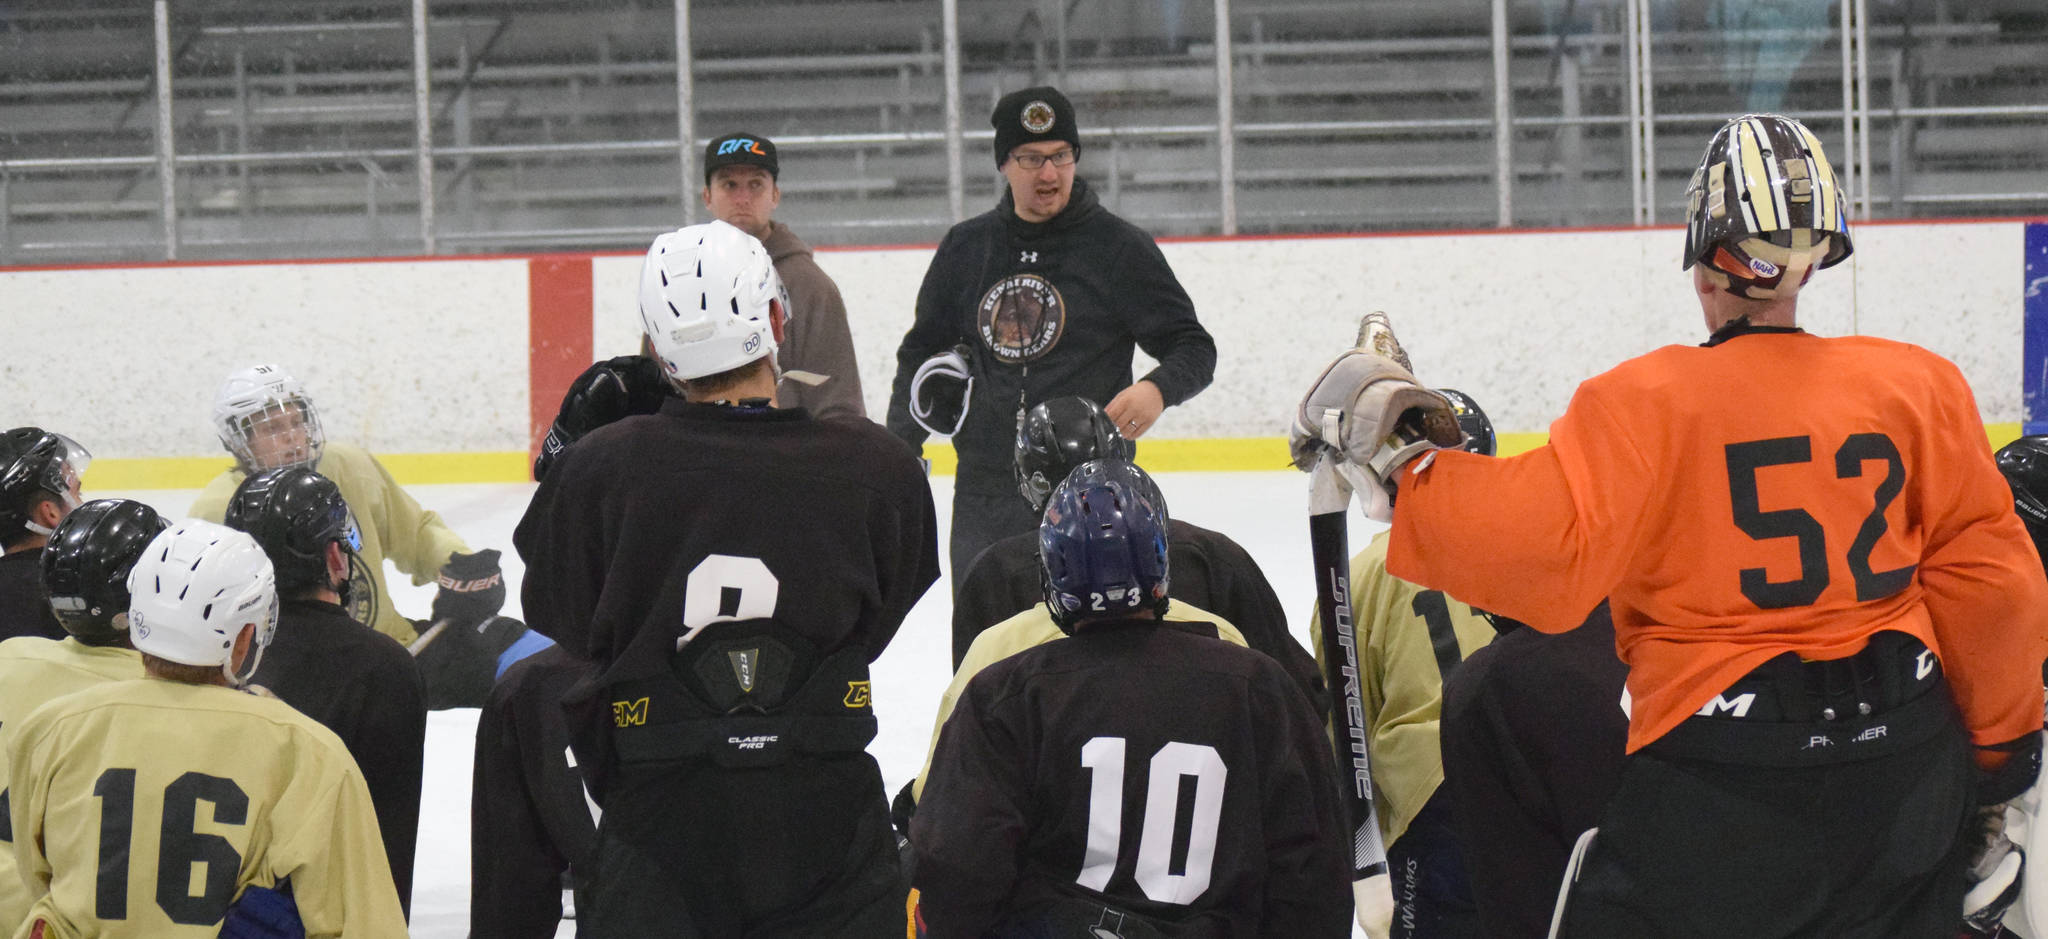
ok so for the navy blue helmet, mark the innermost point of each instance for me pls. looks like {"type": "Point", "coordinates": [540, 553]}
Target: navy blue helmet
{"type": "Point", "coordinates": [1102, 544]}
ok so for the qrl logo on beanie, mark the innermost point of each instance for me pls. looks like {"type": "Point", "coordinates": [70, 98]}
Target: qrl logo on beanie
{"type": "Point", "coordinates": [1038, 117]}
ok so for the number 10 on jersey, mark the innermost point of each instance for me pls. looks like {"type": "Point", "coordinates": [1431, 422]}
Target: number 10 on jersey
{"type": "Point", "coordinates": [1104, 757]}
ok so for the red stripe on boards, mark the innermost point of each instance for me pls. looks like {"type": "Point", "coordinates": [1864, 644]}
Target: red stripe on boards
{"type": "Point", "coordinates": [558, 335]}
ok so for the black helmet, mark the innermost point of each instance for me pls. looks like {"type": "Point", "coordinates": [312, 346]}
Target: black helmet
{"type": "Point", "coordinates": [294, 513]}
{"type": "Point", "coordinates": [1057, 436]}
{"type": "Point", "coordinates": [1478, 430]}
{"type": "Point", "coordinates": [2025, 465]}
{"type": "Point", "coordinates": [35, 463]}
{"type": "Point", "coordinates": [85, 566]}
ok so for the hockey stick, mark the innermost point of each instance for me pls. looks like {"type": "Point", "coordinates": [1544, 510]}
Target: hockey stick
{"type": "Point", "coordinates": [434, 632]}
{"type": "Point", "coordinates": [1329, 502]}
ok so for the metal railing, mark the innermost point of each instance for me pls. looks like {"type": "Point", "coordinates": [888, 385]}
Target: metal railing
{"type": "Point", "coordinates": [1639, 124]}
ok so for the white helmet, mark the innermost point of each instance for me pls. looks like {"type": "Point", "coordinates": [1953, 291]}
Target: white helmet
{"type": "Point", "coordinates": [192, 591]}
{"type": "Point", "coordinates": [266, 420]}
{"type": "Point", "coordinates": [705, 295]}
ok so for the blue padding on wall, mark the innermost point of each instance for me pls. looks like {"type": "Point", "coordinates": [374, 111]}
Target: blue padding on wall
{"type": "Point", "coordinates": [2034, 307]}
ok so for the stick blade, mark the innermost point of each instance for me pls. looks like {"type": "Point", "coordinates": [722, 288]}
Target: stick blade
{"type": "Point", "coordinates": [1376, 335]}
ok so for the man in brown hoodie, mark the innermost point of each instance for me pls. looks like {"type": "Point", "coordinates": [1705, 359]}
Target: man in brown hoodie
{"type": "Point", "coordinates": [740, 174]}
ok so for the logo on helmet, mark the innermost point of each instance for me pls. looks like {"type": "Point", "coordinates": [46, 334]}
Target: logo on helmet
{"type": "Point", "coordinates": [1763, 268]}
{"type": "Point", "coordinates": [752, 345]}
{"type": "Point", "coordinates": [1038, 117]}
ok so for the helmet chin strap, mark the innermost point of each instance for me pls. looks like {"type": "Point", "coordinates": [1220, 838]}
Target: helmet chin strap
{"type": "Point", "coordinates": [70, 502]}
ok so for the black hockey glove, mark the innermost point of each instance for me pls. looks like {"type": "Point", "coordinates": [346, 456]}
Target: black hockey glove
{"type": "Point", "coordinates": [472, 589]}
{"type": "Point", "coordinates": [606, 391]}
{"type": "Point", "coordinates": [2008, 801]}
{"type": "Point", "coordinates": [261, 913]}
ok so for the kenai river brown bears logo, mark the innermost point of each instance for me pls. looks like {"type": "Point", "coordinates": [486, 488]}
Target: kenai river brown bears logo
{"type": "Point", "coordinates": [1021, 318]}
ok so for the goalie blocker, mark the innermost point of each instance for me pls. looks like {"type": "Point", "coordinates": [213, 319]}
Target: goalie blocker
{"type": "Point", "coordinates": [1370, 414]}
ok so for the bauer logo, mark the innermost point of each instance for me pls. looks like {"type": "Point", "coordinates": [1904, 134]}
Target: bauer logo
{"type": "Point", "coordinates": [858, 694]}
{"type": "Point", "coordinates": [629, 713]}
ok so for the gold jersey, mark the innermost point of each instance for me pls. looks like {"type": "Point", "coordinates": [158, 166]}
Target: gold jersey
{"type": "Point", "coordinates": [142, 809]}
{"type": "Point", "coordinates": [34, 670]}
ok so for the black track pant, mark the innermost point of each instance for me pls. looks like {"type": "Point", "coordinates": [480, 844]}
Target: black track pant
{"type": "Point", "coordinates": [1432, 894]}
{"type": "Point", "coordinates": [982, 520]}
{"type": "Point", "coordinates": [1764, 827]}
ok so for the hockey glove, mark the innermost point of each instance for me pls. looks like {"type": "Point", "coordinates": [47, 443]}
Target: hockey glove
{"type": "Point", "coordinates": [472, 589]}
{"type": "Point", "coordinates": [1372, 415]}
{"type": "Point", "coordinates": [261, 913]}
{"type": "Point", "coordinates": [2009, 799]}
{"type": "Point", "coordinates": [606, 391]}
{"type": "Point", "coordinates": [1375, 898]}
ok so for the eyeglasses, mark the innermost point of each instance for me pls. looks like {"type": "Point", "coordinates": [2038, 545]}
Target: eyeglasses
{"type": "Point", "coordinates": [1032, 161]}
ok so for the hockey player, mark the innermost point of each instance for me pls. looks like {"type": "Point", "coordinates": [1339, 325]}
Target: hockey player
{"type": "Point", "coordinates": [265, 418]}
{"type": "Point", "coordinates": [1210, 570]}
{"type": "Point", "coordinates": [530, 817]}
{"type": "Point", "coordinates": [1410, 642]}
{"type": "Point", "coordinates": [1533, 737]}
{"type": "Point", "coordinates": [85, 571]}
{"type": "Point", "coordinates": [1065, 778]}
{"type": "Point", "coordinates": [730, 568]}
{"type": "Point", "coordinates": [1812, 563]}
{"type": "Point", "coordinates": [356, 682]}
{"type": "Point", "coordinates": [39, 474]}
{"type": "Point", "coordinates": [205, 799]}
{"type": "Point", "coordinates": [2024, 462]}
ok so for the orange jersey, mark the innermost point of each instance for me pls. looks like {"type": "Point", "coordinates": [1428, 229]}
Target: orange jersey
{"type": "Point", "coordinates": [1779, 492]}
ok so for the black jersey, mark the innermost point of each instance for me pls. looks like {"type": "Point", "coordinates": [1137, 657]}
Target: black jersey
{"type": "Point", "coordinates": [24, 605]}
{"type": "Point", "coordinates": [1208, 570]}
{"type": "Point", "coordinates": [1532, 734]}
{"type": "Point", "coordinates": [362, 685]}
{"type": "Point", "coordinates": [654, 525]}
{"type": "Point", "coordinates": [529, 817]}
{"type": "Point", "coordinates": [1139, 766]}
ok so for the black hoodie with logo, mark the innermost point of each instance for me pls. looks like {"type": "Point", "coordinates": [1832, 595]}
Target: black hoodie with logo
{"type": "Point", "coordinates": [1050, 309]}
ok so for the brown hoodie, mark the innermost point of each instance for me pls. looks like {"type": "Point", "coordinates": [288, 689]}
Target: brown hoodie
{"type": "Point", "coordinates": [818, 339]}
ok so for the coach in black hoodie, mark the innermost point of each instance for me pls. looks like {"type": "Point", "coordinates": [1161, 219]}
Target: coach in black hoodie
{"type": "Point", "coordinates": [1051, 293]}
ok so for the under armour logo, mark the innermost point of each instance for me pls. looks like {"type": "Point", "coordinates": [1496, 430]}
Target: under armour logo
{"type": "Point", "coordinates": [1027, 257]}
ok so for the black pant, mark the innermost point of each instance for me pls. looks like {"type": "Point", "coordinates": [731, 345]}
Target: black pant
{"type": "Point", "coordinates": [981, 520]}
{"type": "Point", "coordinates": [789, 852]}
{"type": "Point", "coordinates": [1432, 894]}
{"type": "Point", "coordinates": [1759, 827]}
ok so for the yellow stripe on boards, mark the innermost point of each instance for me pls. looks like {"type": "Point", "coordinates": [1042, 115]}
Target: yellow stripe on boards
{"type": "Point", "coordinates": [411, 469]}
{"type": "Point", "coordinates": [1182, 455]}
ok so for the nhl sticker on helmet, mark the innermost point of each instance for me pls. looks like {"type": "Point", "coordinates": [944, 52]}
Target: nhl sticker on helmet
{"type": "Point", "coordinates": [1038, 117]}
{"type": "Point", "coordinates": [1021, 317]}
{"type": "Point", "coordinates": [1763, 268]}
